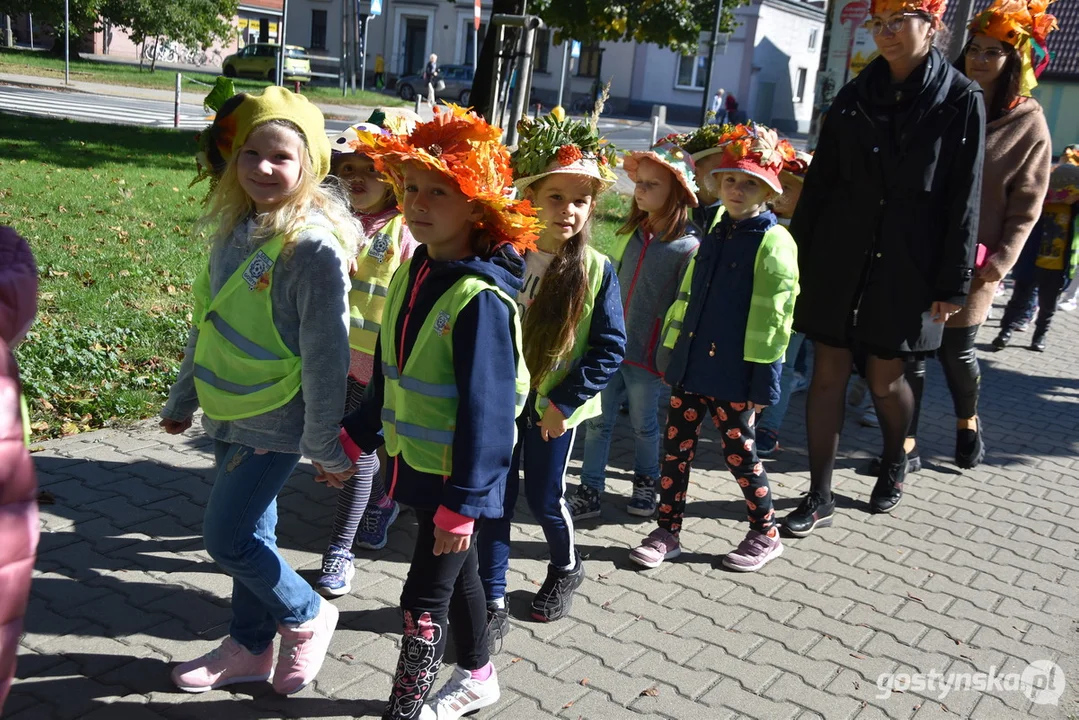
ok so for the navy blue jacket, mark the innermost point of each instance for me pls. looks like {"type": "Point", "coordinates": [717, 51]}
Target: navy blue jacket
{"type": "Point", "coordinates": [720, 296]}
{"type": "Point", "coordinates": [607, 347]}
{"type": "Point", "coordinates": [485, 366]}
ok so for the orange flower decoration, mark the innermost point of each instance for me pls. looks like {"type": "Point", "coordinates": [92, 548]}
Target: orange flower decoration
{"type": "Point", "coordinates": [462, 146]}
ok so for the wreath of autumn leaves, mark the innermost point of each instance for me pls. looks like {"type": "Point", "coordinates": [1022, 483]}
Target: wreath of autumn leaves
{"type": "Point", "coordinates": [462, 146]}
{"type": "Point", "coordinates": [761, 146]}
{"type": "Point", "coordinates": [1010, 21]}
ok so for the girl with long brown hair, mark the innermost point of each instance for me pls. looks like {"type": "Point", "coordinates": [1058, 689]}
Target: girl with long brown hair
{"type": "Point", "coordinates": [656, 244]}
{"type": "Point", "coordinates": [574, 339]}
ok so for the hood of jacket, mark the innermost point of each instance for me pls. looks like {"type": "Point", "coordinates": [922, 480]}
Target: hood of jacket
{"type": "Point", "coordinates": [18, 286]}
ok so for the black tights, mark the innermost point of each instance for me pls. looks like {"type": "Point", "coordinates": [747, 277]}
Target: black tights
{"type": "Point", "coordinates": [825, 406]}
{"type": "Point", "coordinates": [959, 359]}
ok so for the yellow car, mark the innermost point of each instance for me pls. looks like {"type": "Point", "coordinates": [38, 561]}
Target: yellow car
{"type": "Point", "coordinates": [259, 60]}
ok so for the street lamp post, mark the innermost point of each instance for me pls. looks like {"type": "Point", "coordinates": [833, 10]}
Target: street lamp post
{"type": "Point", "coordinates": [711, 62]}
{"type": "Point", "coordinates": [67, 42]}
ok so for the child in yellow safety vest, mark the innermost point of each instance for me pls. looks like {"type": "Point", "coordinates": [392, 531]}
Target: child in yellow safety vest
{"type": "Point", "coordinates": [364, 512]}
{"type": "Point", "coordinates": [444, 398]}
{"type": "Point", "coordinates": [728, 332]}
{"type": "Point", "coordinates": [266, 361]}
{"type": "Point", "coordinates": [574, 341]}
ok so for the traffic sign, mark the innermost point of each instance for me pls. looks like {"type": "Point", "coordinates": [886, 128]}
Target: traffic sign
{"type": "Point", "coordinates": [477, 16]}
{"type": "Point", "coordinates": [376, 7]}
{"type": "Point", "coordinates": [575, 50]}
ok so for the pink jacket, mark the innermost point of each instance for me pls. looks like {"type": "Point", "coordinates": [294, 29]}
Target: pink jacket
{"type": "Point", "coordinates": [18, 487]}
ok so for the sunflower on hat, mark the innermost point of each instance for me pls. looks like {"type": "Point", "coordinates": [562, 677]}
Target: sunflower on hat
{"type": "Point", "coordinates": [554, 145]}
{"type": "Point", "coordinates": [463, 147]}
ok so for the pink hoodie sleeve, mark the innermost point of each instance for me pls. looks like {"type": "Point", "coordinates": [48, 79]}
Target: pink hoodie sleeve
{"type": "Point", "coordinates": [18, 286]}
{"type": "Point", "coordinates": [451, 522]}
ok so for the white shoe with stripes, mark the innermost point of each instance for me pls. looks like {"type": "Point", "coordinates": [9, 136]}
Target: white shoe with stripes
{"type": "Point", "coordinates": [461, 695]}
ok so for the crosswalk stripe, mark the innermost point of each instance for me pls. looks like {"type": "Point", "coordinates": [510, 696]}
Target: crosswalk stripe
{"type": "Point", "coordinates": [49, 107]}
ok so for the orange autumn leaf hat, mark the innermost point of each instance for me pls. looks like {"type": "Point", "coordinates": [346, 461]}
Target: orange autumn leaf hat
{"type": "Point", "coordinates": [462, 146]}
{"type": "Point", "coordinates": [1025, 25]}
{"type": "Point", "coordinates": [757, 150]}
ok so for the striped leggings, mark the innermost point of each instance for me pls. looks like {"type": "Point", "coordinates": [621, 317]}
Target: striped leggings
{"type": "Point", "coordinates": [364, 487]}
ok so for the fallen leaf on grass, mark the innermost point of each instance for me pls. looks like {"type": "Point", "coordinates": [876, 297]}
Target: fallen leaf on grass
{"type": "Point", "coordinates": [650, 692]}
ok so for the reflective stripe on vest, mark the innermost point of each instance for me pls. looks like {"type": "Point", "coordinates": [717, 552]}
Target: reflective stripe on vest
{"type": "Point", "coordinates": [594, 264]}
{"type": "Point", "coordinates": [371, 285]}
{"type": "Point", "coordinates": [420, 400]}
{"type": "Point", "coordinates": [242, 367]}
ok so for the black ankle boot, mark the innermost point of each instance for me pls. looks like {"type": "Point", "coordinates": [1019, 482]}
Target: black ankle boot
{"type": "Point", "coordinates": [914, 463]}
{"type": "Point", "coordinates": [888, 491]}
{"type": "Point", "coordinates": [1001, 341]}
{"type": "Point", "coordinates": [1037, 343]}
{"type": "Point", "coordinates": [969, 447]}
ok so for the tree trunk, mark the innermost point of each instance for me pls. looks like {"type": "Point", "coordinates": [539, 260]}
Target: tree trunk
{"type": "Point", "coordinates": [483, 91]}
{"type": "Point", "coordinates": [153, 60]}
{"type": "Point", "coordinates": [142, 54]}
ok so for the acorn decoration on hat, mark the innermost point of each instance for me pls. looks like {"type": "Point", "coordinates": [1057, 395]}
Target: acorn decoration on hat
{"type": "Point", "coordinates": [1025, 25]}
{"type": "Point", "coordinates": [671, 156]}
{"type": "Point", "coordinates": [556, 144]}
{"type": "Point", "coordinates": [757, 150]}
{"type": "Point", "coordinates": [466, 149]}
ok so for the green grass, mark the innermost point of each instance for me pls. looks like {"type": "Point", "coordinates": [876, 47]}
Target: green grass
{"type": "Point", "coordinates": [612, 211]}
{"type": "Point", "coordinates": [40, 64]}
{"type": "Point", "coordinates": [108, 213]}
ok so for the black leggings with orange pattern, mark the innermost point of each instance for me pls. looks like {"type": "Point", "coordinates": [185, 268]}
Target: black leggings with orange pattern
{"type": "Point", "coordinates": [737, 426]}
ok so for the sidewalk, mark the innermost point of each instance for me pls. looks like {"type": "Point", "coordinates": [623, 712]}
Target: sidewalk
{"type": "Point", "coordinates": [976, 572]}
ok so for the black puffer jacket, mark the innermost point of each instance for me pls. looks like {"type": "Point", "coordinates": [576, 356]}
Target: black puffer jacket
{"type": "Point", "coordinates": [887, 222]}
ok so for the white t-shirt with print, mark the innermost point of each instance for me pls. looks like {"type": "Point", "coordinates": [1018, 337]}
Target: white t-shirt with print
{"type": "Point", "coordinates": [536, 264]}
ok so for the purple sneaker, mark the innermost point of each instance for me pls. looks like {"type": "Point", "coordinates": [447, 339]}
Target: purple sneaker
{"type": "Point", "coordinates": [660, 545]}
{"type": "Point", "coordinates": [753, 552]}
{"type": "Point", "coordinates": [375, 525]}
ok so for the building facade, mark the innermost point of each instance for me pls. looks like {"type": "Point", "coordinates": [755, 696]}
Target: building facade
{"type": "Point", "coordinates": [769, 63]}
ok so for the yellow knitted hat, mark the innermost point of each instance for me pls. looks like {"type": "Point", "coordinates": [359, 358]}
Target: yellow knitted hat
{"type": "Point", "coordinates": [278, 103]}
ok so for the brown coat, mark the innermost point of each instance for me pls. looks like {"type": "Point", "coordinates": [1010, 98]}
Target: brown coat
{"type": "Point", "coordinates": [1018, 154]}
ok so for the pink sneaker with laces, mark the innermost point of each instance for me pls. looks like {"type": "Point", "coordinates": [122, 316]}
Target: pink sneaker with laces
{"type": "Point", "coordinates": [303, 648]}
{"type": "Point", "coordinates": [227, 664]}
{"type": "Point", "coordinates": [660, 545]}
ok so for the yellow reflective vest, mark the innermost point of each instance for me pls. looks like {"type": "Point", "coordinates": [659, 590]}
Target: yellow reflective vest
{"type": "Point", "coordinates": [242, 366]}
{"type": "Point", "coordinates": [419, 411]}
{"type": "Point", "coordinates": [594, 264]}
{"type": "Point", "coordinates": [371, 284]}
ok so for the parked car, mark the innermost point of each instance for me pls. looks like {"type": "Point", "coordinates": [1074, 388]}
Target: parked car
{"type": "Point", "coordinates": [458, 79]}
{"type": "Point", "coordinates": [260, 60]}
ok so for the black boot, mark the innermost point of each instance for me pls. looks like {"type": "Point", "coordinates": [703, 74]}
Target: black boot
{"type": "Point", "coordinates": [914, 463]}
{"type": "Point", "coordinates": [1001, 341]}
{"type": "Point", "coordinates": [969, 447]}
{"type": "Point", "coordinates": [417, 666]}
{"type": "Point", "coordinates": [555, 597]}
{"type": "Point", "coordinates": [498, 626]}
{"type": "Point", "coordinates": [888, 491]}
{"type": "Point", "coordinates": [1037, 343]}
{"type": "Point", "coordinates": [812, 513]}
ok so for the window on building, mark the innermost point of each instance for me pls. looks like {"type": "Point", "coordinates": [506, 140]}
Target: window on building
{"type": "Point", "coordinates": [589, 62]}
{"type": "Point", "coordinates": [813, 39]}
{"type": "Point", "coordinates": [691, 71]}
{"type": "Point", "coordinates": [470, 47]}
{"type": "Point", "coordinates": [800, 85]}
{"type": "Point", "coordinates": [318, 30]}
{"type": "Point", "coordinates": [543, 50]}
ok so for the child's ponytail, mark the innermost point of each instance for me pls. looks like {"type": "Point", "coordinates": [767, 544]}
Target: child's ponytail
{"type": "Point", "coordinates": [550, 325]}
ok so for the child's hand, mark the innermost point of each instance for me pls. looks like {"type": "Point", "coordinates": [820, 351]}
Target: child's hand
{"type": "Point", "coordinates": [553, 423]}
{"type": "Point", "coordinates": [755, 406]}
{"type": "Point", "coordinates": [334, 480]}
{"type": "Point", "coordinates": [353, 266]}
{"type": "Point", "coordinates": [175, 427]}
{"type": "Point", "coordinates": [446, 542]}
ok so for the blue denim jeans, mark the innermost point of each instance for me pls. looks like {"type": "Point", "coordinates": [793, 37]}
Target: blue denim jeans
{"type": "Point", "coordinates": [772, 419]}
{"type": "Point", "coordinates": [238, 530]}
{"type": "Point", "coordinates": [543, 465]}
{"type": "Point", "coordinates": [641, 390]}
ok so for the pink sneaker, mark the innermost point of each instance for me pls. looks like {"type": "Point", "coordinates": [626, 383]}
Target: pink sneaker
{"type": "Point", "coordinates": [660, 545]}
{"type": "Point", "coordinates": [303, 648]}
{"type": "Point", "coordinates": [753, 552]}
{"type": "Point", "coordinates": [226, 664]}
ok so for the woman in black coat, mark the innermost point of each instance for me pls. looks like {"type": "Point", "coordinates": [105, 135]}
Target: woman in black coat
{"type": "Point", "coordinates": [886, 229]}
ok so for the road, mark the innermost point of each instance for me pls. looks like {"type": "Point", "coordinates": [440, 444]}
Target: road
{"type": "Point", "coordinates": [627, 135]}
